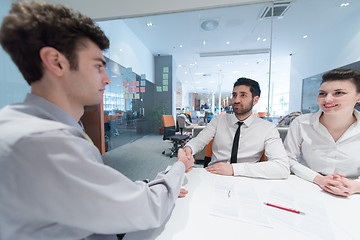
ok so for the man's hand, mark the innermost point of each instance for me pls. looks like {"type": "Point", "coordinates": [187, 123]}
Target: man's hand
{"type": "Point", "coordinates": [188, 161]}
{"type": "Point", "coordinates": [221, 168]}
{"type": "Point", "coordinates": [188, 151]}
{"type": "Point", "coordinates": [182, 193]}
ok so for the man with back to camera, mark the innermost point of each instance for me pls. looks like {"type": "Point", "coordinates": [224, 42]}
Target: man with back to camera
{"type": "Point", "coordinates": [53, 183]}
{"type": "Point", "coordinates": [255, 136]}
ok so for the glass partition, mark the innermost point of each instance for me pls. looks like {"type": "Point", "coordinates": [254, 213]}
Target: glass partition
{"type": "Point", "coordinates": [124, 109]}
{"type": "Point", "coordinates": [256, 41]}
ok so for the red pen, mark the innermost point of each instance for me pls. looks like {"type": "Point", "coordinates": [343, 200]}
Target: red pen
{"type": "Point", "coordinates": [284, 208]}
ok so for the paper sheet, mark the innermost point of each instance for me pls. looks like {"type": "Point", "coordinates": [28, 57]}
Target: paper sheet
{"type": "Point", "coordinates": [238, 202]}
{"type": "Point", "coordinates": [315, 222]}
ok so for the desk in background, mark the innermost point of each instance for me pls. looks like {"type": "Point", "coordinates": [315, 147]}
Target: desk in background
{"type": "Point", "coordinates": [191, 219]}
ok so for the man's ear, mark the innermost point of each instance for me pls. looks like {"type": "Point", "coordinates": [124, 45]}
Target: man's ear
{"type": "Point", "coordinates": [255, 100]}
{"type": "Point", "coordinates": [53, 60]}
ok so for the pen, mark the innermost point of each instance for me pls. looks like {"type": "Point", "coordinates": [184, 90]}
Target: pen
{"type": "Point", "coordinates": [284, 208]}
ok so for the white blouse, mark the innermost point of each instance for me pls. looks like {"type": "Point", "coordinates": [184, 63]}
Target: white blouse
{"type": "Point", "coordinates": [312, 150]}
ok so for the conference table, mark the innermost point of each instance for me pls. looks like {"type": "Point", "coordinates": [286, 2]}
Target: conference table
{"type": "Point", "coordinates": [228, 207]}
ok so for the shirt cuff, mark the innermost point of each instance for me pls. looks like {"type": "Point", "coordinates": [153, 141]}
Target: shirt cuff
{"type": "Point", "coordinates": [238, 169]}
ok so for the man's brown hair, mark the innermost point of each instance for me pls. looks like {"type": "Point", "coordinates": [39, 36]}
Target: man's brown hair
{"type": "Point", "coordinates": [32, 26]}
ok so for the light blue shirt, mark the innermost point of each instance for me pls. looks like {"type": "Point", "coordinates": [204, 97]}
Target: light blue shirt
{"type": "Point", "coordinates": [54, 185]}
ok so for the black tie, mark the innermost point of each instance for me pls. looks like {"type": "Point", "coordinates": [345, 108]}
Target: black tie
{"type": "Point", "coordinates": [235, 146]}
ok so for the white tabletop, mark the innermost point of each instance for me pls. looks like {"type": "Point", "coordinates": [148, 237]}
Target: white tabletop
{"type": "Point", "coordinates": [192, 218]}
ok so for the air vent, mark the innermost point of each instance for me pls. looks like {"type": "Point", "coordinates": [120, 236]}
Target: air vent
{"type": "Point", "coordinates": [279, 10]}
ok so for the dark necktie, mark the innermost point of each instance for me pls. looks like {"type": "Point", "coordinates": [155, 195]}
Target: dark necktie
{"type": "Point", "coordinates": [235, 146]}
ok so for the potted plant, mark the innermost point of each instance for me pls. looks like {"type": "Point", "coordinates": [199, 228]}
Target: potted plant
{"type": "Point", "coordinates": [156, 113]}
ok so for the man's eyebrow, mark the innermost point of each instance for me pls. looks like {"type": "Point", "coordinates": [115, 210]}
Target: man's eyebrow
{"type": "Point", "coordinates": [239, 93]}
{"type": "Point", "coordinates": [101, 60]}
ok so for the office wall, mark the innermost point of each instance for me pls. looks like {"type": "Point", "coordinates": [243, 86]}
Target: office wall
{"type": "Point", "coordinates": [13, 87]}
{"type": "Point", "coordinates": [165, 89]}
{"type": "Point", "coordinates": [336, 45]}
{"type": "Point", "coordinates": [133, 52]}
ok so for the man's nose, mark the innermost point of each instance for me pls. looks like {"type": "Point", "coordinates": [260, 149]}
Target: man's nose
{"type": "Point", "coordinates": [106, 79]}
{"type": "Point", "coordinates": [236, 99]}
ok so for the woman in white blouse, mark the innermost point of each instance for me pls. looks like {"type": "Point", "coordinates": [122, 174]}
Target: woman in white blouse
{"type": "Point", "coordinates": [324, 147]}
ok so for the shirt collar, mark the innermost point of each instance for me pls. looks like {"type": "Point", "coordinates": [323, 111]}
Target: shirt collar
{"type": "Point", "coordinates": [247, 122]}
{"type": "Point", "coordinates": [315, 119]}
{"type": "Point", "coordinates": [48, 110]}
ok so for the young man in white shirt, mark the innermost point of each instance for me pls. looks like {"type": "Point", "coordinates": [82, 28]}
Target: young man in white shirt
{"type": "Point", "coordinates": [256, 136]}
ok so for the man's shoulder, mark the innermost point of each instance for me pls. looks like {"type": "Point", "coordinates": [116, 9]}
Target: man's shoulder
{"type": "Point", "coordinates": [15, 124]}
{"type": "Point", "coordinates": [223, 117]}
{"type": "Point", "coordinates": [262, 122]}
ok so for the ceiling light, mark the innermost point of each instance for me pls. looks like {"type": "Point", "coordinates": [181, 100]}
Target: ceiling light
{"type": "Point", "coordinates": [149, 24]}
{"type": "Point", "coordinates": [344, 4]}
{"type": "Point", "coordinates": [209, 25]}
{"type": "Point", "coordinates": [203, 42]}
{"type": "Point", "coordinates": [236, 52]}
{"type": "Point", "coordinates": [180, 46]}
{"type": "Point", "coordinates": [258, 39]}
{"type": "Point", "coordinates": [264, 40]}
{"type": "Point", "coordinates": [227, 43]}
{"type": "Point", "coordinates": [120, 49]}
{"type": "Point", "coordinates": [186, 72]}
{"type": "Point", "coordinates": [305, 36]}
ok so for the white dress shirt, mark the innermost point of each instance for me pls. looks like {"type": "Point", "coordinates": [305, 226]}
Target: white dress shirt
{"type": "Point", "coordinates": [256, 135]}
{"type": "Point", "coordinates": [312, 150]}
{"type": "Point", "coordinates": [54, 185]}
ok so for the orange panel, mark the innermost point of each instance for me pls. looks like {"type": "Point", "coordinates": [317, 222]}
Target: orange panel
{"type": "Point", "coordinates": [168, 120]}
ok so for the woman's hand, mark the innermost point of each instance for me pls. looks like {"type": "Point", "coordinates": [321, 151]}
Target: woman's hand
{"type": "Point", "coordinates": [337, 184]}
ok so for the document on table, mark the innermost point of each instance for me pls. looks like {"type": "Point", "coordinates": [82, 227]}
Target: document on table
{"type": "Point", "coordinates": [315, 222]}
{"type": "Point", "coordinates": [237, 201]}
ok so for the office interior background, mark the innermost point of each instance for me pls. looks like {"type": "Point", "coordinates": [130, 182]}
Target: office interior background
{"type": "Point", "coordinates": [167, 57]}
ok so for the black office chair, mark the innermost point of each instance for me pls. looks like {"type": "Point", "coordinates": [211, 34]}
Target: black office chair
{"type": "Point", "coordinates": [169, 134]}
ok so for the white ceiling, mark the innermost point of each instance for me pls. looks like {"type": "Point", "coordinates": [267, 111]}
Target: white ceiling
{"type": "Point", "coordinates": [238, 25]}
{"type": "Point", "coordinates": [241, 27]}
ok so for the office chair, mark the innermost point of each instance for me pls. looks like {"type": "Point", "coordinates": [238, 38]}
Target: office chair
{"type": "Point", "coordinates": [208, 154]}
{"type": "Point", "coordinates": [169, 134]}
{"type": "Point", "coordinates": [184, 124]}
